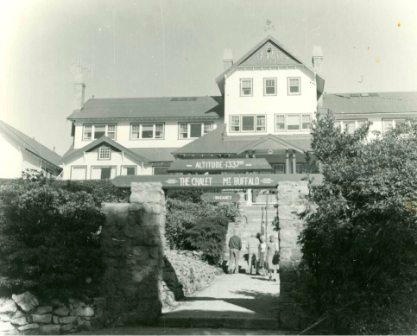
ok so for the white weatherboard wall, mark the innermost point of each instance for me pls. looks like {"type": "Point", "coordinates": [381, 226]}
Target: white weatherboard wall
{"type": "Point", "coordinates": [281, 103]}
{"type": "Point", "coordinates": [123, 137]}
{"type": "Point", "coordinates": [89, 161]}
{"type": "Point", "coordinates": [11, 157]}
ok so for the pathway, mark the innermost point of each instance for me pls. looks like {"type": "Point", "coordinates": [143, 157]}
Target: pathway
{"type": "Point", "coordinates": [232, 301]}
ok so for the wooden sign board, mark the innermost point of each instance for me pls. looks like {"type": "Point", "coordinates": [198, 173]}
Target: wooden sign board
{"type": "Point", "coordinates": [220, 197]}
{"type": "Point", "coordinates": [206, 165]}
{"type": "Point", "coordinates": [229, 181]}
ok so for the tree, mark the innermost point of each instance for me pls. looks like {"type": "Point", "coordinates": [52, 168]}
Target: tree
{"type": "Point", "coordinates": [359, 245]}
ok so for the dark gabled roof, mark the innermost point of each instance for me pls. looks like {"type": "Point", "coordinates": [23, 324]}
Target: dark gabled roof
{"type": "Point", "coordinates": [291, 56]}
{"type": "Point", "coordinates": [217, 142]}
{"type": "Point", "coordinates": [73, 153]}
{"type": "Point", "coordinates": [151, 109]}
{"type": "Point", "coordinates": [374, 103]}
{"type": "Point", "coordinates": [30, 144]}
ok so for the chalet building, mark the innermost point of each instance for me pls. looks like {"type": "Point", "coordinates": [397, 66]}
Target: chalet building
{"type": "Point", "coordinates": [20, 152]}
{"type": "Point", "coordinates": [269, 98]}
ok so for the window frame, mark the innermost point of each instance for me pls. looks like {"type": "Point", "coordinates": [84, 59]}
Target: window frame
{"type": "Point", "coordinates": [285, 117]}
{"type": "Point", "coordinates": [128, 166]}
{"type": "Point", "coordinates": [93, 131]}
{"type": "Point", "coordinates": [275, 86]}
{"type": "Point", "coordinates": [99, 158]}
{"type": "Point", "coordinates": [110, 166]}
{"type": "Point", "coordinates": [289, 93]}
{"type": "Point", "coordinates": [255, 123]}
{"type": "Point", "coordinates": [241, 87]}
{"type": "Point", "coordinates": [140, 130]}
{"type": "Point", "coordinates": [188, 124]}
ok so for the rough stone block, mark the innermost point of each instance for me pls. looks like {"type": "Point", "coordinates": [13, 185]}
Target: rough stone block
{"type": "Point", "coordinates": [45, 318]}
{"type": "Point", "coordinates": [43, 310]}
{"type": "Point", "coordinates": [32, 326]}
{"type": "Point", "coordinates": [85, 311]}
{"type": "Point", "coordinates": [61, 311]}
{"type": "Point", "coordinates": [50, 329]}
{"type": "Point", "coordinates": [67, 319]}
{"type": "Point", "coordinates": [7, 305]}
{"type": "Point", "coordinates": [55, 319]}
{"type": "Point", "coordinates": [19, 320]}
{"type": "Point", "coordinates": [26, 301]}
{"type": "Point", "coordinates": [6, 326]}
{"type": "Point", "coordinates": [68, 327]}
{"type": "Point", "coordinates": [5, 317]}
{"type": "Point", "coordinates": [150, 192]}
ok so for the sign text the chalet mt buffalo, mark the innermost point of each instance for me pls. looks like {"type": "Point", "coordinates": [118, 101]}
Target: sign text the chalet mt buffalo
{"type": "Point", "coordinates": [203, 181]}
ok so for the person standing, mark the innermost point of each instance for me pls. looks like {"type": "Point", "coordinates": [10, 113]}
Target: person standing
{"type": "Point", "coordinates": [253, 250]}
{"type": "Point", "coordinates": [272, 257]}
{"type": "Point", "coordinates": [235, 245]}
{"type": "Point", "coordinates": [261, 256]}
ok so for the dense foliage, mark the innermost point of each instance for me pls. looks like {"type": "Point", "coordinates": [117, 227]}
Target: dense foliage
{"type": "Point", "coordinates": [47, 240]}
{"type": "Point", "coordinates": [360, 243]}
{"type": "Point", "coordinates": [188, 223]}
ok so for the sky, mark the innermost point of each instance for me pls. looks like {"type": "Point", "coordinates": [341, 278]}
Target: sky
{"type": "Point", "coordinates": [147, 48]}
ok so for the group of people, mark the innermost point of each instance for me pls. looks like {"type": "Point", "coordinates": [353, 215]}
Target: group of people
{"type": "Point", "coordinates": [263, 256]}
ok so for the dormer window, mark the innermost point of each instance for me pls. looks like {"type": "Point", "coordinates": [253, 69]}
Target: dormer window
{"type": "Point", "coordinates": [104, 153]}
{"type": "Point", "coordinates": [270, 86]}
{"type": "Point", "coordinates": [294, 85]}
{"type": "Point", "coordinates": [246, 87]}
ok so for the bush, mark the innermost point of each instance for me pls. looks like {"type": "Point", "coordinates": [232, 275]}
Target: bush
{"type": "Point", "coordinates": [360, 245]}
{"type": "Point", "coordinates": [47, 240]}
{"type": "Point", "coordinates": [185, 220]}
{"type": "Point", "coordinates": [208, 236]}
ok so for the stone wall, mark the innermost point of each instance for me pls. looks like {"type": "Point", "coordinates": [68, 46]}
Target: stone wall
{"type": "Point", "coordinates": [24, 314]}
{"type": "Point", "coordinates": [133, 242]}
{"type": "Point", "coordinates": [291, 203]}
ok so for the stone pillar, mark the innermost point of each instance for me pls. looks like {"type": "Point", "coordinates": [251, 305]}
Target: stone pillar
{"type": "Point", "coordinates": [291, 203]}
{"type": "Point", "coordinates": [133, 242]}
{"type": "Point", "coordinates": [294, 163]}
{"type": "Point", "coordinates": [287, 163]}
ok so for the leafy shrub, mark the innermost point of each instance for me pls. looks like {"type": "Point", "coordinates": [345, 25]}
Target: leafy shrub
{"type": "Point", "coordinates": [360, 245]}
{"type": "Point", "coordinates": [208, 236]}
{"type": "Point", "coordinates": [185, 219]}
{"type": "Point", "coordinates": [47, 241]}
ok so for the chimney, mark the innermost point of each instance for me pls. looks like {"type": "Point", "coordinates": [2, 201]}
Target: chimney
{"type": "Point", "coordinates": [227, 58]}
{"type": "Point", "coordinates": [79, 95]}
{"type": "Point", "coordinates": [317, 58]}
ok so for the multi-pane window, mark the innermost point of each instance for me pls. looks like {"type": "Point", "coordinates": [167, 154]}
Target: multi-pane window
{"type": "Point", "coordinates": [349, 126]}
{"type": "Point", "coordinates": [104, 153]}
{"type": "Point", "coordinates": [247, 123]}
{"type": "Point", "coordinates": [305, 121]}
{"type": "Point", "coordinates": [279, 122]}
{"type": "Point", "coordinates": [147, 131]}
{"type": "Point", "coordinates": [292, 122]}
{"type": "Point", "coordinates": [208, 127]}
{"type": "Point", "coordinates": [260, 124]}
{"type": "Point", "coordinates": [294, 85]}
{"type": "Point", "coordinates": [388, 124]}
{"type": "Point", "coordinates": [193, 130]}
{"type": "Point", "coordinates": [87, 132]}
{"type": "Point", "coordinates": [270, 86]}
{"type": "Point", "coordinates": [234, 123]}
{"type": "Point", "coordinates": [111, 131]}
{"type": "Point", "coordinates": [97, 131]}
{"type": "Point", "coordinates": [246, 87]}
